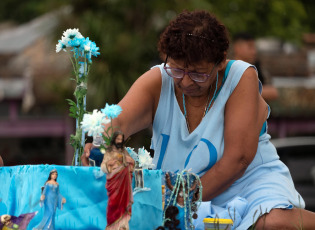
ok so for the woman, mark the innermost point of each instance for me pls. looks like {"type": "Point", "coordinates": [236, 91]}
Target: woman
{"type": "Point", "coordinates": [51, 199]}
{"type": "Point", "coordinates": [208, 115]}
{"type": "Point", "coordinates": [118, 166]}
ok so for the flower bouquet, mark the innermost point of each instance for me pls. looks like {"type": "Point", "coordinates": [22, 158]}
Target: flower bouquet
{"type": "Point", "coordinates": [83, 49]}
{"type": "Point", "coordinates": [94, 123]}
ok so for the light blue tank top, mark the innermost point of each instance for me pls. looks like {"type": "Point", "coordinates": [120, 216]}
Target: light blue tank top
{"type": "Point", "coordinates": [176, 149]}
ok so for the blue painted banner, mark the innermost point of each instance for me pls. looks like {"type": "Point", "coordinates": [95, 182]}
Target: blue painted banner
{"type": "Point", "coordinates": [85, 193]}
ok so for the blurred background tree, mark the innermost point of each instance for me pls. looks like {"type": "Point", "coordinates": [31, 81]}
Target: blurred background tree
{"type": "Point", "coordinates": [127, 30]}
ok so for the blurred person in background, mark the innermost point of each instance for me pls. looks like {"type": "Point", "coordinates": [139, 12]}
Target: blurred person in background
{"type": "Point", "coordinates": [244, 48]}
{"type": "Point", "coordinates": [1, 162]}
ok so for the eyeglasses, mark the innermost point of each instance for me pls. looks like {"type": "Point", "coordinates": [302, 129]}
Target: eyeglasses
{"type": "Point", "coordinates": [180, 73]}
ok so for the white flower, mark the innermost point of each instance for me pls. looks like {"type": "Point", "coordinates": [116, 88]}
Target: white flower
{"type": "Point", "coordinates": [72, 33]}
{"type": "Point", "coordinates": [59, 47]}
{"type": "Point", "coordinates": [87, 48]}
{"type": "Point", "coordinates": [145, 160]}
{"type": "Point", "coordinates": [93, 123]}
{"type": "Point", "coordinates": [103, 151]}
{"type": "Point", "coordinates": [62, 45]}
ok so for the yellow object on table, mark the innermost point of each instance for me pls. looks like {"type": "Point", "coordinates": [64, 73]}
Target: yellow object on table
{"type": "Point", "coordinates": [163, 196]}
{"type": "Point", "coordinates": [217, 224]}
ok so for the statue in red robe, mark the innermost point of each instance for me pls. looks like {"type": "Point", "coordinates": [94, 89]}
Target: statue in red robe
{"type": "Point", "coordinates": [118, 166]}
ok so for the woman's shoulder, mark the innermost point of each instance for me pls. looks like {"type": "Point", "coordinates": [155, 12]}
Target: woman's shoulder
{"type": "Point", "coordinates": [151, 79]}
{"type": "Point", "coordinates": [236, 70]}
{"type": "Point", "coordinates": [147, 88]}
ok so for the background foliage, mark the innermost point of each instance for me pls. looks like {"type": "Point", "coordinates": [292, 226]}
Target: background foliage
{"type": "Point", "coordinates": [127, 30]}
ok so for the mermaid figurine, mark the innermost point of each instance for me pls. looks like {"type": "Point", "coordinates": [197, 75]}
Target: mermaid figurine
{"type": "Point", "coordinates": [51, 199]}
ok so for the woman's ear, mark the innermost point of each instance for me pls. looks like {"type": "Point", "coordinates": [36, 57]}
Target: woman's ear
{"type": "Point", "coordinates": [221, 65]}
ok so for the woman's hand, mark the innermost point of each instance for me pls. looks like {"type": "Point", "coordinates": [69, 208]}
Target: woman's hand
{"type": "Point", "coordinates": [42, 197]}
{"type": "Point", "coordinates": [86, 154]}
{"type": "Point", "coordinates": [63, 200]}
{"type": "Point", "coordinates": [1, 162]}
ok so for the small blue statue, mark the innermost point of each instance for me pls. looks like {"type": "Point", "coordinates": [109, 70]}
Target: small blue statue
{"type": "Point", "coordinates": [51, 199]}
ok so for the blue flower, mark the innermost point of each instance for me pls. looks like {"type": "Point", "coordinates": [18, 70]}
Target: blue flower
{"type": "Point", "coordinates": [76, 42]}
{"type": "Point", "coordinates": [94, 49]}
{"type": "Point", "coordinates": [111, 111]}
{"type": "Point", "coordinates": [82, 47]}
{"type": "Point", "coordinates": [89, 49]}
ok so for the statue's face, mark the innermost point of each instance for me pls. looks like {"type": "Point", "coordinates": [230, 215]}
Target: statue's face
{"type": "Point", "coordinates": [119, 141]}
{"type": "Point", "coordinates": [54, 176]}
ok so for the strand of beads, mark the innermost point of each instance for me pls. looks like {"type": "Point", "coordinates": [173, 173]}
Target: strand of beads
{"type": "Point", "coordinates": [181, 187]}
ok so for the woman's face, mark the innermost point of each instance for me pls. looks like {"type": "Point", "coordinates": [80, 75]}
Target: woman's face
{"type": "Point", "coordinates": [189, 87]}
{"type": "Point", "coordinates": [54, 176]}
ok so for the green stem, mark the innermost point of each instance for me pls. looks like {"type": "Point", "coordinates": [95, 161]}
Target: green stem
{"type": "Point", "coordinates": [111, 125]}
{"type": "Point", "coordinates": [74, 69]}
{"type": "Point", "coordinates": [85, 65]}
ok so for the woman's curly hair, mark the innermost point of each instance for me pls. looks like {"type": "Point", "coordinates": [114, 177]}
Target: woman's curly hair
{"type": "Point", "coordinates": [193, 37]}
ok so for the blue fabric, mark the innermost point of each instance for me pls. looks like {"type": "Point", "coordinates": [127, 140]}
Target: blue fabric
{"type": "Point", "coordinates": [226, 72]}
{"type": "Point", "coordinates": [171, 139]}
{"type": "Point", "coordinates": [85, 193]}
{"type": "Point", "coordinates": [97, 156]}
{"type": "Point", "coordinates": [266, 184]}
{"type": "Point", "coordinates": [227, 69]}
{"type": "Point", "coordinates": [234, 210]}
{"type": "Point", "coordinates": [264, 129]}
{"type": "Point", "coordinates": [181, 217]}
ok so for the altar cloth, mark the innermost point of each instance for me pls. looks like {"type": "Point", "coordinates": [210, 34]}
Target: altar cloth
{"type": "Point", "coordinates": [85, 194]}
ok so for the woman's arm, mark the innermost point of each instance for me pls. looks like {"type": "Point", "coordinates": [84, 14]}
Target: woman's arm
{"type": "Point", "coordinates": [245, 113]}
{"type": "Point", "coordinates": [43, 194]}
{"type": "Point", "coordinates": [140, 103]}
{"type": "Point", "coordinates": [138, 107]}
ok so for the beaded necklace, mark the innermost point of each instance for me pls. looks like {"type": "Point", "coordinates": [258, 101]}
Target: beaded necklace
{"type": "Point", "coordinates": [183, 182]}
{"type": "Point", "coordinates": [207, 107]}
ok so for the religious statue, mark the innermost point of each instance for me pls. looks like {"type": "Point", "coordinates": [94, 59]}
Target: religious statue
{"type": "Point", "coordinates": [118, 166]}
{"type": "Point", "coordinates": [51, 199]}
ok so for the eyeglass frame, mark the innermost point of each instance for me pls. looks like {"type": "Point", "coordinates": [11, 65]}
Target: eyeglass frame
{"type": "Point", "coordinates": [188, 73]}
